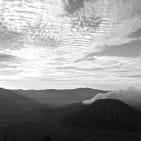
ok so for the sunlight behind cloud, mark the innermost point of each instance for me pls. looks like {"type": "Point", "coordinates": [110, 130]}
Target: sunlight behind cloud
{"type": "Point", "coordinates": [52, 41]}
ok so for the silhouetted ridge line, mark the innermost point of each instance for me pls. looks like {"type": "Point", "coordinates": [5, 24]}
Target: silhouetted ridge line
{"type": "Point", "coordinates": [106, 114]}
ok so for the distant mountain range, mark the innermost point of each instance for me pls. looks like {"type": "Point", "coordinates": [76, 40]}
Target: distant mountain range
{"type": "Point", "coordinates": [106, 114]}
{"type": "Point", "coordinates": [16, 105]}
{"type": "Point", "coordinates": [60, 97]}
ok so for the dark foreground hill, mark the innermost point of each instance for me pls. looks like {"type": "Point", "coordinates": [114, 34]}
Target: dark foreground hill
{"type": "Point", "coordinates": [15, 108]}
{"type": "Point", "coordinates": [82, 122]}
{"type": "Point", "coordinates": [51, 125]}
{"type": "Point", "coordinates": [106, 114]}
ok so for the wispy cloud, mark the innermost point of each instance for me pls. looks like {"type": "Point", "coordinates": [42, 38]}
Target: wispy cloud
{"type": "Point", "coordinates": [52, 39]}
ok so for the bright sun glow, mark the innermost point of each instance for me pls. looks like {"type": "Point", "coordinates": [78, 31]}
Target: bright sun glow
{"type": "Point", "coordinates": [57, 40]}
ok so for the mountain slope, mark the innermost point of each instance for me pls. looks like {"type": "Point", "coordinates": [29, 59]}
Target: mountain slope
{"type": "Point", "coordinates": [59, 97]}
{"type": "Point", "coordinates": [106, 114]}
{"type": "Point", "coordinates": [14, 108]}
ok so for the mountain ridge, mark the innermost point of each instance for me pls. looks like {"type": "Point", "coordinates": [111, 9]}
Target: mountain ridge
{"type": "Point", "coordinates": [106, 114]}
{"type": "Point", "coordinates": [60, 97]}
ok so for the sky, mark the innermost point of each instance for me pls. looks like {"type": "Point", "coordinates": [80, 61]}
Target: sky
{"type": "Point", "coordinates": [70, 43]}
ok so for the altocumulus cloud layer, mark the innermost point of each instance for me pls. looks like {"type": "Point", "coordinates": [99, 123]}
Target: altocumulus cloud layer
{"type": "Point", "coordinates": [56, 40]}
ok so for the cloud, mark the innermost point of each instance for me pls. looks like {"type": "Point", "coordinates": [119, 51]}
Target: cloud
{"type": "Point", "coordinates": [134, 76]}
{"type": "Point", "coordinates": [136, 34]}
{"type": "Point", "coordinates": [131, 49]}
{"type": "Point", "coordinates": [131, 96]}
{"type": "Point", "coordinates": [96, 24]}
{"type": "Point", "coordinates": [51, 41]}
{"type": "Point", "coordinates": [71, 6]}
{"type": "Point", "coordinates": [7, 57]}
